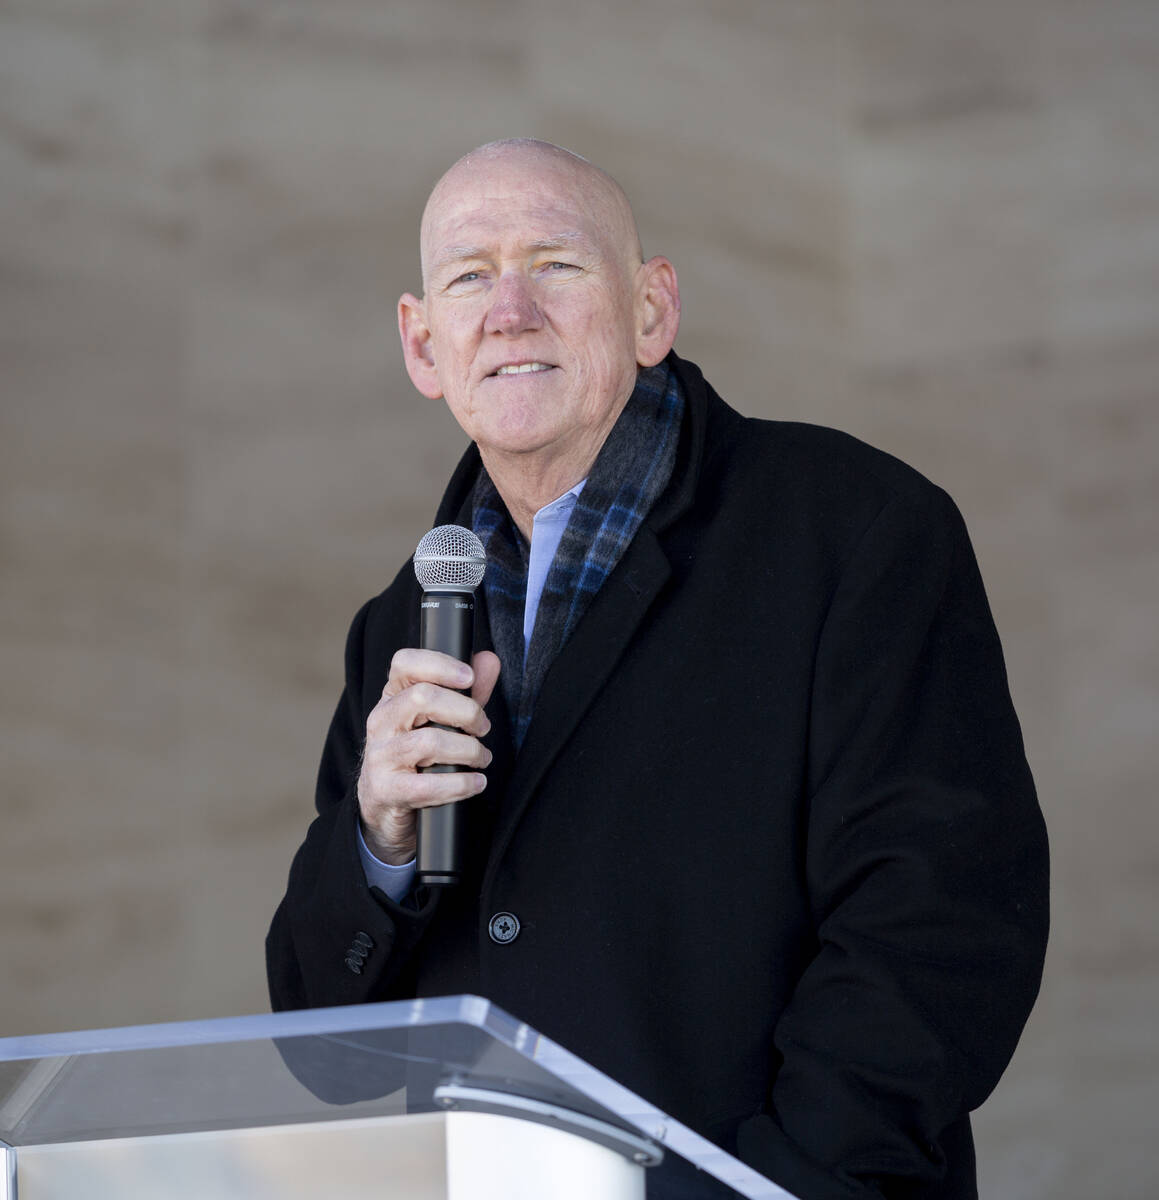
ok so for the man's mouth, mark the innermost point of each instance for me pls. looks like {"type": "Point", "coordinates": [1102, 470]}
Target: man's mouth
{"type": "Point", "coordinates": [523, 368]}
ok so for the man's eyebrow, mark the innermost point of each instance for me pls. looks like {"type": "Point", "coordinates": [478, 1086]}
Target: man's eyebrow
{"type": "Point", "coordinates": [558, 241]}
{"type": "Point", "coordinates": [454, 254]}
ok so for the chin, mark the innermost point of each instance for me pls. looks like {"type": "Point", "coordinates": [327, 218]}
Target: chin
{"type": "Point", "coordinates": [517, 437]}
{"type": "Point", "coordinates": [516, 445]}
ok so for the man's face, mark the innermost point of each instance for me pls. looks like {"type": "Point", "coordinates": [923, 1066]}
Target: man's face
{"type": "Point", "coordinates": [531, 306]}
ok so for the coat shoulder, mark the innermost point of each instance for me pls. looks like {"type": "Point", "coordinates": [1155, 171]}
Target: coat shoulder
{"type": "Point", "coordinates": [817, 479]}
{"type": "Point", "coordinates": [799, 458]}
{"type": "Point", "coordinates": [830, 461]}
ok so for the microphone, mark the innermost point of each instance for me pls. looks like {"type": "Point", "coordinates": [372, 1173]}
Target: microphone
{"type": "Point", "coordinates": [449, 564]}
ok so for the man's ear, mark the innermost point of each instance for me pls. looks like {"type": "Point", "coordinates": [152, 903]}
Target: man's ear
{"type": "Point", "coordinates": [417, 350]}
{"type": "Point", "coordinates": [657, 310]}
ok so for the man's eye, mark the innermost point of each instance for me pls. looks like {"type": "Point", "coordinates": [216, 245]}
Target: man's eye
{"type": "Point", "coordinates": [467, 277]}
{"type": "Point", "coordinates": [561, 266]}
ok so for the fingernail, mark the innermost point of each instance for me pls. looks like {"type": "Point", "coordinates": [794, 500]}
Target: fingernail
{"type": "Point", "coordinates": [464, 674]}
{"type": "Point", "coordinates": [480, 783]}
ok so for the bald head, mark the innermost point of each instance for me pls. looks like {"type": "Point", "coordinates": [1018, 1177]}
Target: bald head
{"type": "Point", "coordinates": [491, 167]}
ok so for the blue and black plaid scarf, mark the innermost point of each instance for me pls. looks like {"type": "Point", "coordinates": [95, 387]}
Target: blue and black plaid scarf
{"type": "Point", "coordinates": [632, 469]}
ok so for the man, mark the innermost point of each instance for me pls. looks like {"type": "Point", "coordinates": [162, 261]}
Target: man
{"type": "Point", "coordinates": [749, 794]}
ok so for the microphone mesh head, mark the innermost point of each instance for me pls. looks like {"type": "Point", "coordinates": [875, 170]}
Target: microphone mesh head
{"type": "Point", "coordinates": [450, 559]}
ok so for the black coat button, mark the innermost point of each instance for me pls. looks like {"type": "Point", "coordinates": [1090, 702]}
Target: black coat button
{"type": "Point", "coordinates": [355, 964]}
{"type": "Point", "coordinates": [503, 928]}
{"type": "Point", "coordinates": [364, 939]}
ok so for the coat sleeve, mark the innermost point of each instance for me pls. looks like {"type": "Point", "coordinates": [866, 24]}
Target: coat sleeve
{"type": "Point", "coordinates": [926, 864]}
{"type": "Point", "coordinates": [328, 902]}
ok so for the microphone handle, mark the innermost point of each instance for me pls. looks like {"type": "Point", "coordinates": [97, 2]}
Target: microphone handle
{"type": "Point", "coordinates": [446, 624]}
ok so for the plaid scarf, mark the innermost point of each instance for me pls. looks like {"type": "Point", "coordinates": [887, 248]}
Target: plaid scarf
{"type": "Point", "coordinates": [631, 470]}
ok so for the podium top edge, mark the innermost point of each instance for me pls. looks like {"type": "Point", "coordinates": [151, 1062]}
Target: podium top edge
{"type": "Point", "coordinates": [391, 1014]}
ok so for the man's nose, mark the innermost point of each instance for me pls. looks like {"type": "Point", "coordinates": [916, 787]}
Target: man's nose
{"type": "Point", "coordinates": [513, 308]}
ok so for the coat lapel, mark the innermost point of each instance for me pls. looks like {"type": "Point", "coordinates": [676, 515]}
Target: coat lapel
{"type": "Point", "coordinates": [579, 672]}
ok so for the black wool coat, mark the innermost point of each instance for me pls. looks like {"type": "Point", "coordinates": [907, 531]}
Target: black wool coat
{"type": "Point", "coordinates": [771, 839]}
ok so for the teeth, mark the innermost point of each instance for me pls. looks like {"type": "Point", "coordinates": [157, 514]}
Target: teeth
{"type": "Point", "coordinates": [523, 369]}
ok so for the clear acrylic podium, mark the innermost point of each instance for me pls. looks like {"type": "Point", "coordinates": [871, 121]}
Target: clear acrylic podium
{"type": "Point", "coordinates": [442, 1099]}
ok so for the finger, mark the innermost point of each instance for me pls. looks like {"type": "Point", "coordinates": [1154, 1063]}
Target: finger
{"type": "Point", "coordinates": [410, 666]}
{"type": "Point", "coordinates": [409, 792]}
{"type": "Point", "coordinates": [430, 746]}
{"type": "Point", "coordinates": [426, 704]}
{"type": "Point", "coordinates": [487, 667]}
{"type": "Point", "coordinates": [433, 791]}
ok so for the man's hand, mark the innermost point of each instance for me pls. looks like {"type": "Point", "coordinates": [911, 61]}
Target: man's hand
{"type": "Point", "coordinates": [400, 737]}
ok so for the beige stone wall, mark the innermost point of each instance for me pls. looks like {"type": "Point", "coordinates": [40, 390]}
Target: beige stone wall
{"type": "Point", "coordinates": [933, 224]}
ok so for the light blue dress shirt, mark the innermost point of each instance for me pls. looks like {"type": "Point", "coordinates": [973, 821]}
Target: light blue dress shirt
{"type": "Point", "coordinates": [546, 531]}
